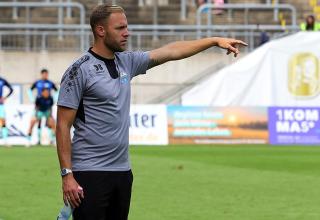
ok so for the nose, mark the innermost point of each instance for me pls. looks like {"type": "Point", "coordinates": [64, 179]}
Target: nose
{"type": "Point", "coordinates": [126, 34]}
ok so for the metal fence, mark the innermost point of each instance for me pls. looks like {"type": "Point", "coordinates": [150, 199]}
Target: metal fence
{"type": "Point", "coordinates": [59, 35]}
{"type": "Point", "coordinates": [144, 37]}
{"type": "Point", "coordinates": [207, 9]}
{"type": "Point", "coordinates": [29, 26]}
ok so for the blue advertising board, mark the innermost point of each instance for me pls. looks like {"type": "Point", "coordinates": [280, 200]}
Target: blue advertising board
{"type": "Point", "coordinates": [294, 125]}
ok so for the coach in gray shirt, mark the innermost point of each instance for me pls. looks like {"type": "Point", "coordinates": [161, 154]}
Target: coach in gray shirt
{"type": "Point", "coordinates": [95, 99]}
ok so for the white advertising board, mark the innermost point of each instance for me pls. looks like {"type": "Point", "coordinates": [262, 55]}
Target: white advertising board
{"type": "Point", "coordinates": [148, 125]}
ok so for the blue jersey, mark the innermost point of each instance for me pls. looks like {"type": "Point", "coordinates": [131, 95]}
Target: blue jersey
{"type": "Point", "coordinates": [43, 84]}
{"type": "Point", "coordinates": [4, 83]}
{"type": "Point", "coordinates": [44, 104]}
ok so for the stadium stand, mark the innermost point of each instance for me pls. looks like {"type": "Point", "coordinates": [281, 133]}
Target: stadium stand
{"type": "Point", "coordinates": [61, 34]}
{"type": "Point", "coordinates": [140, 18]}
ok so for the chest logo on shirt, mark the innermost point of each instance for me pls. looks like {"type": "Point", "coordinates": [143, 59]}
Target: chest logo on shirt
{"type": "Point", "coordinates": [46, 85]}
{"type": "Point", "coordinates": [124, 78]}
{"type": "Point", "coordinates": [98, 68]}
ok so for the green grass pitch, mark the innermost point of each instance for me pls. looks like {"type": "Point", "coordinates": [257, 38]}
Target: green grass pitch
{"type": "Point", "coordinates": [179, 183]}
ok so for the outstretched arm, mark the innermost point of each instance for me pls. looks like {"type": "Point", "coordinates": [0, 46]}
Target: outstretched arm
{"type": "Point", "coordinates": [183, 49]}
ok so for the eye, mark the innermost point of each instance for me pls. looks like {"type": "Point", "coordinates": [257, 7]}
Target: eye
{"type": "Point", "coordinates": [121, 27]}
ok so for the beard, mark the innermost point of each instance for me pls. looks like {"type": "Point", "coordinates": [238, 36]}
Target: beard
{"type": "Point", "coordinates": [113, 46]}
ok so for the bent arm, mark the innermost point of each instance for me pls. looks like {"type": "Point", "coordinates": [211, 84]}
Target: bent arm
{"type": "Point", "coordinates": [54, 87]}
{"type": "Point", "coordinates": [65, 118]}
{"type": "Point", "coordinates": [33, 86]}
{"type": "Point", "coordinates": [10, 89]}
{"type": "Point", "coordinates": [30, 95]}
{"type": "Point", "coordinates": [72, 191]}
{"type": "Point", "coordinates": [183, 49]}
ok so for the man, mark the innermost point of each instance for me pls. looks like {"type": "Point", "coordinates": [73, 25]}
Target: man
{"type": "Point", "coordinates": [4, 129]}
{"type": "Point", "coordinates": [95, 98]}
{"type": "Point", "coordinates": [43, 83]}
{"type": "Point", "coordinates": [40, 85]}
{"type": "Point", "coordinates": [44, 105]}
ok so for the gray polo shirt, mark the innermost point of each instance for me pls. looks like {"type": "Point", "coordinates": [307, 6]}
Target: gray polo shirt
{"type": "Point", "coordinates": [101, 135]}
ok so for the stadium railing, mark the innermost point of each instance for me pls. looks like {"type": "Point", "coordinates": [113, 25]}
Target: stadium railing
{"type": "Point", "coordinates": [77, 37]}
{"type": "Point", "coordinates": [206, 9]}
{"type": "Point", "coordinates": [28, 26]}
{"type": "Point", "coordinates": [143, 37]}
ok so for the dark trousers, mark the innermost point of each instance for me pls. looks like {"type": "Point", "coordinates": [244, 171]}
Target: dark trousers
{"type": "Point", "coordinates": [107, 195]}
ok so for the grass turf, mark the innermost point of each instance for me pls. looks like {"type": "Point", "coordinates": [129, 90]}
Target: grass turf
{"type": "Point", "coordinates": [180, 183]}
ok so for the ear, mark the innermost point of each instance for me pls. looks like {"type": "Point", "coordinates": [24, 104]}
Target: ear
{"type": "Point", "coordinates": [100, 31]}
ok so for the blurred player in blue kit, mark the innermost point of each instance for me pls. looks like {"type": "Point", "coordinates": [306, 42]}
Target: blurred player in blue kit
{"type": "Point", "coordinates": [43, 105]}
{"type": "Point", "coordinates": [43, 83]}
{"type": "Point", "coordinates": [4, 129]}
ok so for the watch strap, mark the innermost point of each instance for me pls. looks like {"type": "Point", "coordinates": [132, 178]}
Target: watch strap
{"type": "Point", "coordinates": [65, 171]}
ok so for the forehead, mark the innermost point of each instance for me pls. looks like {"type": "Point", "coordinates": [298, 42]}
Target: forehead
{"type": "Point", "coordinates": [117, 18]}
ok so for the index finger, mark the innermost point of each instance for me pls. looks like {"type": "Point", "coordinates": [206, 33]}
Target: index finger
{"type": "Point", "coordinates": [241, 43]}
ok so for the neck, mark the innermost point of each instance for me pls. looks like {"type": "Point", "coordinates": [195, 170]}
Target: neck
{"type": "Point", "coordinates": [101, 49]}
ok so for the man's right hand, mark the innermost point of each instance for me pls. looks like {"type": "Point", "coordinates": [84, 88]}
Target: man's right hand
{"type": "Point", "coordinates": [72, 191]}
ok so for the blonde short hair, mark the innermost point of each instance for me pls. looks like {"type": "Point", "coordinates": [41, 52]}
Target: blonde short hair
{"type": "Point", "coordinates": [101, 13]}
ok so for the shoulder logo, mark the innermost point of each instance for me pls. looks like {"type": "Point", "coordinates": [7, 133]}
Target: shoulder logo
{"type": "Point", "coordinates": [124, 78]}
{"type": "Point", "coordinates": [82, 60]}
{"type": "Point", "coordinates": [75, 68]}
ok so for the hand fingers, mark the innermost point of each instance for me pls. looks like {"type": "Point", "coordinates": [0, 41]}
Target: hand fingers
{"type": "Point", "coordinates": [80, 192]}
{"type": "Point", "coordinates": [71, 199]}
{"type": "Point", "coordinates": [237, 51]}
{"type": "Point", "coordinates": [65, 200]}
{"type": "Point", "coordinates": [68, 201]}
{"type": "Point", "coordinates": [232, 49]}
{"type": "Point", "coordinates": [75, 199]}
{"type": "Point", "coordinates": [240, 42]}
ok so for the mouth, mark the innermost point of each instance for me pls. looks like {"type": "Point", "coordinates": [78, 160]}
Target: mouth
{"type": "Point", "coordinates": [124, 42]}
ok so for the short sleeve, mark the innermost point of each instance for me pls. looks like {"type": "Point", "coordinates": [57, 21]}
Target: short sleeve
{"type": "Point", "coordinates": [71, 88]}
{"type": "Point", "coordinates": [33, 85]}
{"type": "Point", "coordinates": [140, 62]}
{"type": "Point", "coordinates": [54, 86]}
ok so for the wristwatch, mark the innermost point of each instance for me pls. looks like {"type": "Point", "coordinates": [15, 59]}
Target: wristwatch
{"type": "Point", "coordinates": [65, 171]}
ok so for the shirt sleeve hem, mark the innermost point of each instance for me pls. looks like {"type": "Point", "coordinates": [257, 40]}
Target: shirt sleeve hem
{"type": "Point", "coordinates": [145, 64]}
{"type": "Point", "coordinates": [68, 105]}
